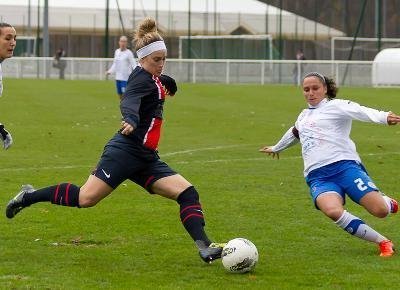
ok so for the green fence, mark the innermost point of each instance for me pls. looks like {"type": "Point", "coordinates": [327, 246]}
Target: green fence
{"type": "Point", "coordinates": [226, 47]}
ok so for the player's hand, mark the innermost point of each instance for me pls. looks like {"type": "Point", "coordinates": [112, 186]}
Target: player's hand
{"type": "Point", "coordinates": [126, 128]}
{"type": "Point", "coordinates": [268, 150]}
{"type": "Point", "coordinates": [5, 137]}
{"type": "Point", "coordinates": [169, 85]}
{"type": "Point", "coordinates": [393, 119]}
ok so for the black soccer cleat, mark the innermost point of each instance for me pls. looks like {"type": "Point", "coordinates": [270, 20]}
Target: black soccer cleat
{"type": "Point", "coordinates": [15, 205]}
{"type": "Point", "coordinates": [211, 253]}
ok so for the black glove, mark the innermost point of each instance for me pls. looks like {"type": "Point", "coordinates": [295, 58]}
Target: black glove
{"type": "Point", "coordinates": [169, 84]}
{"type": "Point", "coordinates": [6, 137]}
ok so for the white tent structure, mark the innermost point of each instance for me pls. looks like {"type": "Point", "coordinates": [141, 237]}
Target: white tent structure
{"type": "Point", "coordinates": [386, 68]}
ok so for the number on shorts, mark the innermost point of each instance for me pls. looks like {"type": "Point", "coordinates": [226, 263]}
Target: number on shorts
{"type": "Point", "coordinates": [360, 184]}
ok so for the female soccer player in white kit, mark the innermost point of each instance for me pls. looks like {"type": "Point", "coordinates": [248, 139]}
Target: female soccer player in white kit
{"type": "Point", "coordinates": [8, 40]}
{"type": "Point", "coordinates": [332, 167]}
{"type": "Point", "coordinates": [122, 66]}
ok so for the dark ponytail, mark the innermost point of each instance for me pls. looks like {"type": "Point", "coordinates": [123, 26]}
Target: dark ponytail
{"type": "Point", "coordinates": [331, 88]}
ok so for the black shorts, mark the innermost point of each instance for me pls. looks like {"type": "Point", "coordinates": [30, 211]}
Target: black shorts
{"type": "Point", "coordinates": [117, 165]}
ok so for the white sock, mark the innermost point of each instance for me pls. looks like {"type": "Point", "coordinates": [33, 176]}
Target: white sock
{"type": "Point", "coordinates": [388, 202]}
{"type": "Point", "coordinates": [355, 226]}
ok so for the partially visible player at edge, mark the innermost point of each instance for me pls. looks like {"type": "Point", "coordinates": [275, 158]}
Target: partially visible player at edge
{"type": "Point", "coordinates": [8, 40]}
{"type": "Point", "coordinates": [332, 167]}
{"type": "Point", "coordinates": [132, 152]}
{"type": "Point", "coordinates": [123, 65]}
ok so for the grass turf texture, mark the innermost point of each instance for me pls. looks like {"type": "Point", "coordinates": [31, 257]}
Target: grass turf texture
{"type": "Point", "coordinates": [132, 240]}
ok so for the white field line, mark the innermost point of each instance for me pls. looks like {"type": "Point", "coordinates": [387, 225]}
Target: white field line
{"type": "Point", "coordinates": [206, 149]}
{"type": "Point", "coordinates": [45, 168]}
{"type": "Point", "coordinates": [264, 158]}
{"type": "Point", "coordinates": [268, 158]}
{"type": "Point", "coordinates": [91, 166]}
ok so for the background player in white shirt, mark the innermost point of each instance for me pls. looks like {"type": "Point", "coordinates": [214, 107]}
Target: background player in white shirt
{"type": "Point", "coordinates": [332, 167]}
{"type": "Point", "coordinates": [8, 37]}
{"type": "Point", "coordinates": [123, 65]}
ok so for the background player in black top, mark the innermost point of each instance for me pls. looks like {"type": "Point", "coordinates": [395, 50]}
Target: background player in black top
{"type": "Point", "coordinates": [132, 152]}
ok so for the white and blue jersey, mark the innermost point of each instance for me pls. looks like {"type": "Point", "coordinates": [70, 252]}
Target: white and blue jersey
{"type": "Point", "coordinates": [324, 134]}
{"type": "Point", "coordinates": [123, 65]}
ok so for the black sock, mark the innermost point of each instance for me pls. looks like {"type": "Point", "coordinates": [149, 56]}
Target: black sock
{"type": "Point", "coordinates": [192, 215]}
{"type": "Point", "coordinates": [66, 194]}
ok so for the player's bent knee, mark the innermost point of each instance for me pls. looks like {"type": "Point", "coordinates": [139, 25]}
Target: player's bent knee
{"type": "Point", "coordinates": [87, 201]}
{"type": "Point", "coordinates": [375, 204]}
{"type": "Point", "coordinates": [188, 195]}
{"type": "Point", "coordinates": [331, 204]}
{"type": "Point", "coordinates": [333, 213]}
{"type": "Point", "coordinates": [379, 210]}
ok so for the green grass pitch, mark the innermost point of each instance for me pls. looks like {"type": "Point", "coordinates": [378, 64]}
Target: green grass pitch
{"type": "Point", "coordinates": [212, 133]}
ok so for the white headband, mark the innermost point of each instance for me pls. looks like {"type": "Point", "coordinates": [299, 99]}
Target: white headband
{"type": "Point", "coordinates": [150, 48]}
{"type": "Point", "coordinates": [316, 74]}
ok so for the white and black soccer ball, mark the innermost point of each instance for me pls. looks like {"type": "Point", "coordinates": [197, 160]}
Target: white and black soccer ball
{"type": "Point", "coordinates": [239, 256]}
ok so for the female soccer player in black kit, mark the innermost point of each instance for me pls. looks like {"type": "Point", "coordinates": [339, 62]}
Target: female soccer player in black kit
{"type": "Point", "coordinates": [132, 152]}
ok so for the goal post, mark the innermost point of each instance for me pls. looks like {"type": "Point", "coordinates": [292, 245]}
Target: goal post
{"type": "Point", "coordinates": [365, 47]}
{"type": "Point", "coordinates": [226, 47]}
{"type": "Point", "coordinates": [26, 46]}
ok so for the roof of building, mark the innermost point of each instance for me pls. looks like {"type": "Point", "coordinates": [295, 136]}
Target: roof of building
{"type": "Point", "coordinates": [92, 21]}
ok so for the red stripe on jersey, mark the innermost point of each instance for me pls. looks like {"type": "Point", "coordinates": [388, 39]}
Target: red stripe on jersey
{"type": "Point", "coordinates": [161, 92]}
{"type": "Point", "coordinates": [152, 136]}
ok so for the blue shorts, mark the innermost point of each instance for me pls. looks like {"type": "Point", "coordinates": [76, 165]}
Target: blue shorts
{"type": "Point", "coordinates": [344, 177]}
{"type": "Point", "coordinates": [121, 86]}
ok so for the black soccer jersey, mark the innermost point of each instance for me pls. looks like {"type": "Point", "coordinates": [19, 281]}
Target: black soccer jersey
{"type": "Point", "coordinates": [142, 107]}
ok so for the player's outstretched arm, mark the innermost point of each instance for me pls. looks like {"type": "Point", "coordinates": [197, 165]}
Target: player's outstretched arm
{"type": "Point", "coordinates": [393, 119]}
{"type": "Point", "coordinates": [5, 137]}
{"type": "Point", "coordinates": [268, 150]}
{"type": "Point", "coordinates": [290, 138]}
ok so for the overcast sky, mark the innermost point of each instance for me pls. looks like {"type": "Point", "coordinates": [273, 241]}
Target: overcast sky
{"type": "Point", "coordinates": [244, 6]}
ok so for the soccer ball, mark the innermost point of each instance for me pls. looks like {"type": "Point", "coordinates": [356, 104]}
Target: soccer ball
{"type": "Point", "coordinates": [239, 256]}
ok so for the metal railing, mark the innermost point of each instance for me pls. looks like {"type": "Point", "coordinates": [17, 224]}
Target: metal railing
{"type": "Point", "coordinates": [347, 73]}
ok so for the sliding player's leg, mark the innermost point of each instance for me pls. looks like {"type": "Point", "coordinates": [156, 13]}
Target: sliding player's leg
{"type": "Point", "coordinates": [65, 194]}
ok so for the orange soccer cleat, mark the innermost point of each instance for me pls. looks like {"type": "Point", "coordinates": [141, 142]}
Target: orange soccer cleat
{"type": "Point", "coordinates": [387, 248]}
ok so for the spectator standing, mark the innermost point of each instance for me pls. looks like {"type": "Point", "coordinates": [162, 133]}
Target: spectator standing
{"type": "Point", "coordinates": [60, 63]}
